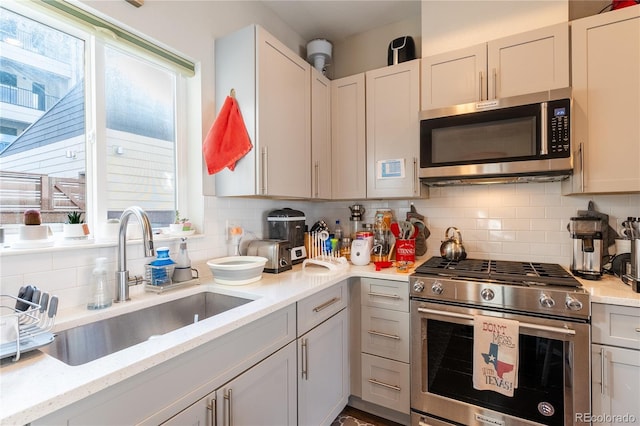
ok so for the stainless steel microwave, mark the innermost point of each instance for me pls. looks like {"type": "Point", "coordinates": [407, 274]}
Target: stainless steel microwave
{"type": "Point", "coordinates": [519, 139]}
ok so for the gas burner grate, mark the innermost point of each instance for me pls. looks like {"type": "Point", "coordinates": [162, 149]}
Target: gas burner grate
{"type": "Point", "coordinates": [519, 273]}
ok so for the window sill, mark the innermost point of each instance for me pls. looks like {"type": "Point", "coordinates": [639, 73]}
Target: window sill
{"type": "Point", "coordinates": [60, 245]}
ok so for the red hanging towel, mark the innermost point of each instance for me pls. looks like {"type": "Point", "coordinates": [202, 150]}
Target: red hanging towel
{"type": "Point", "coordinates": [227, 141]}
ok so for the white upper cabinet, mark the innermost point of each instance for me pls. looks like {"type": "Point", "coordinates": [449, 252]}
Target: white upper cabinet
{"type": "Point", "coordinates": [348, 138]}
{"type": "Point", "coordinates": [272, 86]}
{"type": "Point", "coordinates": [606, 102]}
{"type": "Point", "coordinates": [530, 62]}
{"type": "Point", "coordinates": [393, 130]}
{"type": "Point", "coordinates": [320, 135]}
{"type": "Point", "coordinates": [524, 63]}
{"type": "Point", "coordinates": [454, 77]}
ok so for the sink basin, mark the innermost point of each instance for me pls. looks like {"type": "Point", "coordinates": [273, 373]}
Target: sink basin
{"type": "Point", "coordinates": [79, 345]}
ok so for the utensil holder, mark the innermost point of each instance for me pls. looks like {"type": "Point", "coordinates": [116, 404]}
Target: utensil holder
{"type": "Point", "coordinates": [159, 275]}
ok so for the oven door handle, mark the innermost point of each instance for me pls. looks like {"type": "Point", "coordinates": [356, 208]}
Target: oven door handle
{"type": "Point", "coordinates": [567, 331]}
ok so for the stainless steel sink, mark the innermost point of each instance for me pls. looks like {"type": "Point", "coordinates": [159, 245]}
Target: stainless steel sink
{"type": "Point", "coordinates": [79, 345]}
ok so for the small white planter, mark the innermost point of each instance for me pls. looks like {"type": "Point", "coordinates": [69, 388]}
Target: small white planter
{"type": "Point", "coordinates": [75, 230]}
{"type": "Point", "coordinates": [175, 228]}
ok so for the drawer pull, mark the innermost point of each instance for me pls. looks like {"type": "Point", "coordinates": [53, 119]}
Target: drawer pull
{"type": "Point", "coordinates": [637, 329]}
{"type": "Point", "coordinates": [326, 304]}
{"type": "Point", "coordinates": [383, 384]}
{"type": "Point", "coordinates": [390, 336]}
{"type": "Point", "coordinates": [390, 296]}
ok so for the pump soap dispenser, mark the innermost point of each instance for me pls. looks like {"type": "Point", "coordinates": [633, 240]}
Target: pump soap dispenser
{"type": "Point", "coordinates": [100, 290]}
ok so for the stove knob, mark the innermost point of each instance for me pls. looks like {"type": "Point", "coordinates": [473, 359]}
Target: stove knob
{"type": "Point", "coordinates": [487, 294]}
{"type": "Point", "coordinates": [418, 286]}
{"type": "Point", "coordinates": [572, 303]}
{"type": "Point", "coordinates": [437, 288]}
{"type": "Point", "coordinates": [546, 301]}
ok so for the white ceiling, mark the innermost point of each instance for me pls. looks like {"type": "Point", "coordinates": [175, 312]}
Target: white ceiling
{"type": "Point", "coordinates": [336, 20]}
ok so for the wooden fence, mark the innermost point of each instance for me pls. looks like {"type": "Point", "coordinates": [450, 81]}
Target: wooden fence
{"type": "Point", "coordinates": [53, 196]}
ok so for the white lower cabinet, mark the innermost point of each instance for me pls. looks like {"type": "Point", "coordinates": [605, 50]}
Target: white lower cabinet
{"type": "Point", "coordinates": [323, 356]}
{"type": "Point", "coordinates": [385, 343]}
{"type": "Point", "coordinates": [615, 365]}
{"type": "Point", "coordinates": [323, 372]}
{"type": "Point", "coordinates": [241, 358]}
{"type": "Point", "coordinates": [263, 395]}
{"type": "Point", "coordinates": [615, 385]}
{"type": "Point", "coordinates": [385, 382]}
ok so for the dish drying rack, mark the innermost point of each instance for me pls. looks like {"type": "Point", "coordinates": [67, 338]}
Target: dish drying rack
{"type": "Point", "coordinates": [26, 325]}
{"type": "Point", "coordinates": [320, 255]}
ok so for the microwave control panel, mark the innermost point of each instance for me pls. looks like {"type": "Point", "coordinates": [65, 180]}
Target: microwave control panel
{"type": "Point", "coordinates": [559, 126]}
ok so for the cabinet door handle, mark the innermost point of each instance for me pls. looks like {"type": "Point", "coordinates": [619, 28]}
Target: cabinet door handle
{"type": "Point", "coordinates": [264, 161]}
{"type": "Point", "coordinates": [602, 367]}
{"type": "Point", "coordinates": [386, 385]}
{"type": "Point", "coordinates": [637, 329]}
{"type": "Point", "coordinates": [480, 80]}
{"type": "Point", "coordinates": [326, 304]}
{"type": "Point", "coordinates": [227, 400]}
{"type": "Point", "coordinates": [305, 359]}
{"type": "Point", "coordinates": [389, 336]}
{"type": "Point", "coordinates": [317, 178]}
{"type": "Point", "coordinates": [211, 407]}
{"type": "Point", "coordinates": [494, 73]}
{"type": "Point", "coordinates": [415, 177]}
{"type": "Point", "coordinates": [390, 296]}
{"type": "Point", "coordinates": [581, 157]}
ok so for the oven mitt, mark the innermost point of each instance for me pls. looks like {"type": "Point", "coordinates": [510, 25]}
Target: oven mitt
{"type": "Point", "coordinates": [421, 236]}
{"type": "Point", "coordinates": [423, 232]}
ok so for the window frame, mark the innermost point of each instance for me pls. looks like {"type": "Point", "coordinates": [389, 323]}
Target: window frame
{"type": "Point", "coordinates": [95, 112]}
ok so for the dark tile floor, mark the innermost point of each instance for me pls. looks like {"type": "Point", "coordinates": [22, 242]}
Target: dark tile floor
{"type": "Point", "coordinates": [353, 417]}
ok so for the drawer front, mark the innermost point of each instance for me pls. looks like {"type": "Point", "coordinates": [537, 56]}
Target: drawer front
{"type": "Point", "coordinates": [385, 382]}
{"type": "Point", "coordinates": [385, 294]}
{"type": "Point", "coordinates": [616, 325]}
{"type": "Point", "coordinates": [385, 333]}
{"type": "Point", "coordinates": [317, 308]}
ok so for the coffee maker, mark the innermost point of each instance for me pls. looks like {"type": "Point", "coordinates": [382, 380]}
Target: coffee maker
{"type": "Point", "coordinates": [288, 224]}
{"type": "Point", "coordinates": [586, 233]}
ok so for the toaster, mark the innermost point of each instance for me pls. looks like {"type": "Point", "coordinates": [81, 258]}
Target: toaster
{"type": "Point", "coordinates": [277, 252]}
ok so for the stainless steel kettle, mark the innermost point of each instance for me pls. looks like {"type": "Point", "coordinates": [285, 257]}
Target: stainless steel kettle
{"type": "Point", "coordinates": [452, 248]}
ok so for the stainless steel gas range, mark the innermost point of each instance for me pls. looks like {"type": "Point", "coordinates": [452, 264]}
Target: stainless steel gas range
{"type": "Point", "coordinates": [553, 313]}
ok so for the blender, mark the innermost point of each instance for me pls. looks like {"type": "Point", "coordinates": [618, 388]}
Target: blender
{"type": "Point", "coordinates": [355, 221]}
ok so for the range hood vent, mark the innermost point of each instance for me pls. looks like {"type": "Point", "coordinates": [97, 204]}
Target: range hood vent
{"type": "Point", "coordinates": [491, 180]}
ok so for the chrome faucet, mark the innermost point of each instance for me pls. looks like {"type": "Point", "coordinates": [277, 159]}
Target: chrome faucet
{"type": "Point", "coordinates": [122, 274]}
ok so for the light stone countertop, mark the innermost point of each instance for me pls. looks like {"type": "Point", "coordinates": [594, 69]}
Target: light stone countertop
{"type": "Point", "coordinates": [39, 384]}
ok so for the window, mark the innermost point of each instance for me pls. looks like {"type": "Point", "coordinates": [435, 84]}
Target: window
{"type": "Point", "coordinates": [89, 124]}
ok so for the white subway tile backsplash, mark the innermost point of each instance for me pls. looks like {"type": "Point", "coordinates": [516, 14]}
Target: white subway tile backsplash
{"type": "Point", "coordinates": [489, 223]}
{"type": "Point", "coordinates": [516, 224]}
{"type": "Point", "coordinates": [504, 236]}
{"type": "Point", "coordinates": [531, 212]}
{"type": "Point", "coordinates": [546, 224]}
{"type": "Point", "coordinates": [503, 222]}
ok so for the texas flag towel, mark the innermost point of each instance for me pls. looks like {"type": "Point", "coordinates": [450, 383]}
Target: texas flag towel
{"type": "Point", "coordinates": [228, 140]}
{"type": "Point", "coordinates": [495, 354]}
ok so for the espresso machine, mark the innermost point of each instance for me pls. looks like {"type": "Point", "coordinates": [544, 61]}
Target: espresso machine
{"type": "Point", "coordinates": [288, 224]}
{"type": "Point", "coordinates": [586, 234]}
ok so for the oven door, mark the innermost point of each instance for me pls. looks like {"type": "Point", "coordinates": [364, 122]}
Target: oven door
{"type": "Point", "coordinates": [553, 374]}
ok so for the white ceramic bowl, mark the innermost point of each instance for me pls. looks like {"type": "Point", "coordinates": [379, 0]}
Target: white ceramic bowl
{"type": "Point", "coordinates": [237, 270]}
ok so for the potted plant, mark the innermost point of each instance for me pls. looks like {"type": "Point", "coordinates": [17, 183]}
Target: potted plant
{"type": "Point", "coordinates": [75, 228]}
